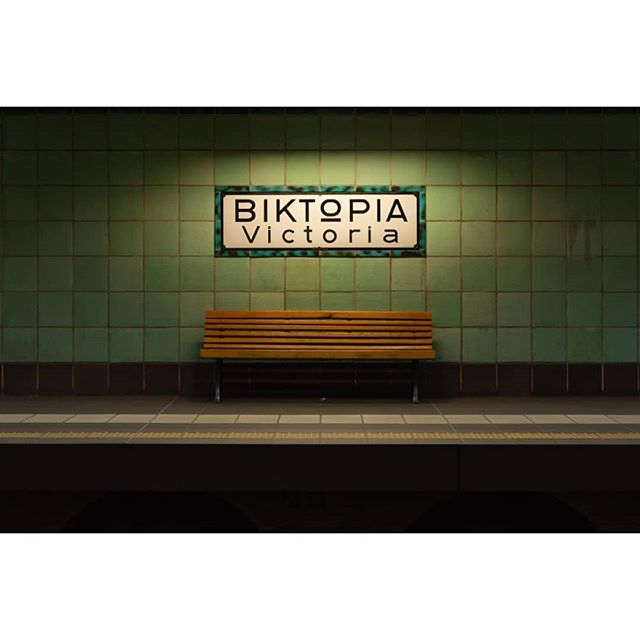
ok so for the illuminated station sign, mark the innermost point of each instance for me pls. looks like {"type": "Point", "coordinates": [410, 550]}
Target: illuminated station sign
{"type": "Point", "coordinates": [374, 221]}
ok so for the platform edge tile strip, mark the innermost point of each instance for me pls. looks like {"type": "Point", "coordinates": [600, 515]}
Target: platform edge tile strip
{"type": "Point", "coordinates": [205, 418]}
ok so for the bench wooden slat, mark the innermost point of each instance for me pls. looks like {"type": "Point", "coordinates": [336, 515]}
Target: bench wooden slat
{"type": "Point", "coordinates": [295, 326]}
{"type": "Point", "coordinates": [317, 347]}
{"type": "Point", "coordinates": [303, 320]}
{"type": "Point", "coordinates": [214, 333]}
{"type": "Point", "coordinates": [320, 314]}
{"type": "Point", "coordinates": [316, 323]}
{"type": "Point", "coordinates": [316, 340]}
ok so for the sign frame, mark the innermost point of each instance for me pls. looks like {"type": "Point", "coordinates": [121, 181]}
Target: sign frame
{"type": "Point", "coordinates": [418, 251]}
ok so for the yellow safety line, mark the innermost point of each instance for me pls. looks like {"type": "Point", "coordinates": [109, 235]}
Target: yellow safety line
{"type": "Point", "coordinates": [317, 435]}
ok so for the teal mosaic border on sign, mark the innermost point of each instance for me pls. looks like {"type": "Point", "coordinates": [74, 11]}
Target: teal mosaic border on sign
{"type": "Point", "coordinates": [419, 251]}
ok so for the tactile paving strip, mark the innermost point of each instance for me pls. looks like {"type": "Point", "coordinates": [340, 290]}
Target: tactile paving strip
{"type": "Point", "coordinates": [314, 435]}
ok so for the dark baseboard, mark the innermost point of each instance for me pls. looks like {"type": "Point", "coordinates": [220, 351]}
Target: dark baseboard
{"type": "Point", "coordinates": [479, 380]}
{"type": "Point", "coordinates": [322, 379]}
{"type": "Point", "coordinates": [549, 379]}
{"type": "Point", "coordinates": [55, 379]}
{"type": "Point", "coordinates": [514, 379]}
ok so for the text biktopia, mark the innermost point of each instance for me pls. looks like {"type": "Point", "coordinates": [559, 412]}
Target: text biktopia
{"type": "Point", "coordinates": [328, 211]}
{"type": "Point", "coordinates": [331, 210]}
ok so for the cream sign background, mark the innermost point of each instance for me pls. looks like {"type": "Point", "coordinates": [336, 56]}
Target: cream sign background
{"type": "Point", "coordinates": [286, 221]}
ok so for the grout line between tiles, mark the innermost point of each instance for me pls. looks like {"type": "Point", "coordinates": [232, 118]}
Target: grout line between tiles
{"type": "Point", "coordinates": [144, 426]}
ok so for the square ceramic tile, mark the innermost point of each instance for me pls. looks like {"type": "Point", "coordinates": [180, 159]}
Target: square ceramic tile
{"type": "Point", "coordinates": [471, 418]}
{"type": "Point", "coordinates": [49, 417]}
{"type": "Point", "coordinates": [342, 418]}
{"type": "Point", "coordinates": [429, 418]}
{"type": "Point", "coordinates": [212, 418]}
{"type": "Point", "coordinates": [590, 419]}
{"type": "Point", "coordinates": [174, 418]}
{"type": "Point", "coordinates": [12, 418]}
{"type": "Point", "coordinates": [508, 419]}
{"type": "Point", "coordinates": [548, 418]}
{"type": "Point", "coordinates": [300, 419]}
{"type": "Point", "coordinates": [91, 418]}
{"type": "Point", "coordinates": [390, 418]}
{"type": "Point", "coordinates": [257, 418]}
{"type": "Point", "coordinates": [133, 418]}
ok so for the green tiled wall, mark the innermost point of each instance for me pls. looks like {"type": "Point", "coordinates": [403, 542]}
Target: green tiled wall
{"type": "Point", "coordinates": [532, 232]}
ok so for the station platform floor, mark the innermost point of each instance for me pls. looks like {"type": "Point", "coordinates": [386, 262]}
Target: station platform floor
{"type": "Point", "coordinates": [346, 464]}
{"type": "Point", "coordinates": [182, 420]}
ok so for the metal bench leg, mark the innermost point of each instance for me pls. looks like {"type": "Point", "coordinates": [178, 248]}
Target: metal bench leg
{"type": "Point", "coordinates": [416, 380]}
{"type": "Point", "coordinates": [217, 380]}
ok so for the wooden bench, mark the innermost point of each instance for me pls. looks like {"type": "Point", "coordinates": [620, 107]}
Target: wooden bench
{"type": "Point", "coordinates": [317, 335]}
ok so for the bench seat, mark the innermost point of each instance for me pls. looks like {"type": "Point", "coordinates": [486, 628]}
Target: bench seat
{"type": "Point", "coordinates": [317, 335]}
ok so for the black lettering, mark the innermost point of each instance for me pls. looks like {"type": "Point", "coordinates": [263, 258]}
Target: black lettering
{"type": "Point", "coordinates": [284, 236]}
{"type": "Point", "coordinates": [326, 233]}
{"type": "Point", "coordinates": [269, 234]}
{"type": "Point", "coordinates": [368, 234]}
{"type": "Point", "coordinates": [401, 215]}
{"type": "Point", "coordinates": [331, 215]}
{"type": "Point", "coordinates": [253, 237]}
{"type": "Point", "coordinates": [250, 209]}
{"type": "Point", "coordinates": [280, 211]}
{"type": "Point", "coordinates": [307, 232]}
{"type": "Point", "coordinates": [353, 210]}
{"type": "Point", "coordinates": [306, 202]}
{"type": "Point", "coordinates": [351, 232]}
{"type": "Point", "coordinates": [390, 236]}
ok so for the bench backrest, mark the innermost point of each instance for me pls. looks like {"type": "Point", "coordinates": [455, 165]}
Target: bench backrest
{"type": "Point", "coordinates": [326, 334]}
